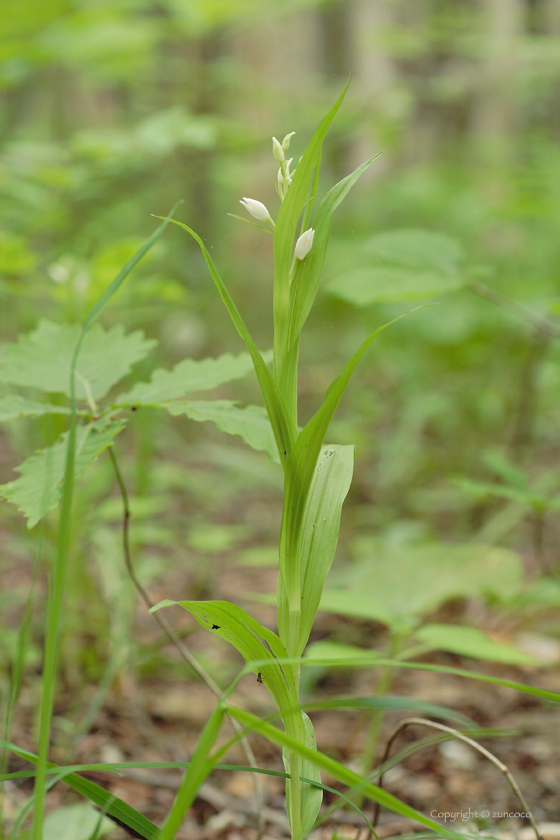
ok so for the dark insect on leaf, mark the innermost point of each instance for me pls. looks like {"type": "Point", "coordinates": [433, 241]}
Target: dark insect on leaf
{"type": "Point", "coordinates": [216, 627]}
{"type": "Point", "coordinates": [259, 678]}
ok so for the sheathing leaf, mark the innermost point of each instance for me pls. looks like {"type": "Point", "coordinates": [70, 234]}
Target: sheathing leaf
{"type": "Point", "coordinates": [338, 771]}
{"type": "Point", "coordinates": [299, 471]}
{"type": "Point", "coordinates": [311, 797]}
{"type": "Point", "coordinates": [320, 527]}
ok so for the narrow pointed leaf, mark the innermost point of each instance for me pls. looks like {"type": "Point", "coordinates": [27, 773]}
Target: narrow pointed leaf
{"type": "Point", "coordinates": [308, 272]}
{"type": "Point", "coordinates": [186, 377]}
{"type": "Point", "coordinates": [251, 422]}
{"type": "Point", "coordinates": [284, 429]}
{"type": "Point", "coordinates": [108, 802]}
{"type": "Point", "coordinates": [286, 226]}
{"type": "Point", "coordinates": [253, 641]}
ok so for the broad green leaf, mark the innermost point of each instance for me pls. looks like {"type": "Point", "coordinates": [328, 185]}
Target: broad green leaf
{"type": "Point", "coordinates": [399, 584]}
{"type": "Point", "coordinates": [311, 797]}
{"type": "Point", "coordinates": [39, 487]}
{"type": "Point", "coordinates": [42, 359]}
{"type": "Point", "coordinates": [470, 641]}
{"type": "Point", "coordinates": [76, 822]}
{"type": "Point", "coordinates": [251, 422]}
{"type": "Point", "coordinates": [110, 804]}
{"type": "Point", "coordinates": [285, 431]}
{"type": "Point", "coordinates": [186, 377]}
{"type": "Point", "coordinates": [14, 406]}
{"type": "Point", "coordinates": [338, 771]}
{"type": "Point", "coordinates": [364, 286]}
{"type": "Point", "coordinates": [320, 526]}
{"type": "Point", "coordinates": [253, 641]}
{"type": "Point", "coordinates": [395, 266]}
{"type": "Point", "coordinates": [417, 248]}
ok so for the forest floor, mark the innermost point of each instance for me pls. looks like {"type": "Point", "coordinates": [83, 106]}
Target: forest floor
{"type": "Point", "coordinates": [158, 718]}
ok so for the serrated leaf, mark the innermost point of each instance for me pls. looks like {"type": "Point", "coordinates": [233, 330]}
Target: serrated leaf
{"type": "Point", "coordinates": [251, 422]}
{"type": "Point", "coordinates": [186, 377]}
{"type": "Point", "coordinates": [38, 489]}
{"type": "Point", "coordinates": [470, 641]}
{"type": "Point", "coordinates": [42, 359]}
{"type": "Point", "coordinates": [320, 527]}
{"type": "Point", "coordinates": [364, 286]}
{"type": "Point", "coordinates": [14, 406]}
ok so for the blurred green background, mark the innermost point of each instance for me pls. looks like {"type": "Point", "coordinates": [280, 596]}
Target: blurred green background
{"type": "Point", "coordinates": [112, 110]}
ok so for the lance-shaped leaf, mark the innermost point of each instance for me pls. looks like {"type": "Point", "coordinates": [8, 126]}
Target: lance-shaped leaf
{"type": "Point", "coordinates": [320, 527]}
{"type": "Point", "coordinates": [285, 431]}
{"type": "Point", "coordinates": [251, 422]}
{"type": "Point", "coordinates": [42, 359]}
{"type": "Point", "coordinates": [14, 406]}
{"type": "Point", "coordinates": [186, 377]}
{"type": "Point", "coordinates": [253, 641]}
{"type": "Point", "coordinates": [38, 489]}
{"type": "Point", "coordinates": [308, 272]}
{"type": "Point", "coordinates": [300, 468]}
{"type": "Point", "coordinates": [286, 225]}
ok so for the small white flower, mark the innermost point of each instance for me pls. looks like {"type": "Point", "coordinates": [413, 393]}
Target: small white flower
{"type": "Point", "coordinates": [304, 243]}
{"type": "Point", "coordinates": [256, 209]}
{"type": "Point", "coordinates": [286, 141]}
{"type": "Point", "coordinates": [278, 151]}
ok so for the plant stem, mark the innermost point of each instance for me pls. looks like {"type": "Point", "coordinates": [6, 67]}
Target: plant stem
{"type": "Point", "coordinates": [180, 646]}
{"type": "Point", "coordinates": [383, 685]}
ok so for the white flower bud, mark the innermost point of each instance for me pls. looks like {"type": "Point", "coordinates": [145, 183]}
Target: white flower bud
{"type": "Point", "coordinates": [277, 151]}
{"type": "Point", "coordinates": [304, 243]}
{"type": "Point", "coordinates": [256, 209]}
{"type": "Point", "coordinates": [286, 141]}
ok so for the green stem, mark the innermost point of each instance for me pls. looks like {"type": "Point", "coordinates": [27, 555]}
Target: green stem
{"type": "Point", "coordinates": [382, 687]}
{"type": "Point", "coordinates": [200, 767]}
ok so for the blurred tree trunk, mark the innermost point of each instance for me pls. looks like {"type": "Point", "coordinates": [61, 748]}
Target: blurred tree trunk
{"type": "Point", "coordinates": [494, 113]}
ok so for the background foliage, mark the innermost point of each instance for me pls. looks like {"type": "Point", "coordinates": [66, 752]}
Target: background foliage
{"type": "Point", "coordinates": [112, 110]}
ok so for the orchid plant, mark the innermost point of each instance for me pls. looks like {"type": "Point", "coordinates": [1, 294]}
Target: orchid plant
{"type": "Point", "coordinates": [85, 363]}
